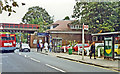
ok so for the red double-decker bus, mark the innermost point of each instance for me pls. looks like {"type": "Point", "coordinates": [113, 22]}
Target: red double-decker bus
{"type": "Point", "coordinates": [7, 42]}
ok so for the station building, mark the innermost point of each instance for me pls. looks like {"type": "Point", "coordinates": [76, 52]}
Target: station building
{"type": "Point", "coordinates": [68, 32]}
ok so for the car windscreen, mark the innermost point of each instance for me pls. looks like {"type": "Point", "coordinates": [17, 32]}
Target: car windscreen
{"type": "Point", "coordinates": [116, 46]}
{"type": "Point", "coordinates": [81, 45]}
{"type": "Point", "coordinates": [7, 38]}
{"type": "Point", "coordinates": [25, 45]}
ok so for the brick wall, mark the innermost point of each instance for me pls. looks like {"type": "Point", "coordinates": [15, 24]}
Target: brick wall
{"type": "Point", "coordinates": [33, 37]}
{"type": "Point", "coordinates": [71, 37]}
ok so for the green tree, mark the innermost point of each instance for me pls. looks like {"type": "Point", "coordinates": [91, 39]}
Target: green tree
{"type": "Point", "coordinates": [98, 15]}
{"type": "Point", "coordinates": [37, 15]}
{"type": "Point", "coordinates": [66, 18]}
{"type": "Point", "coordinates": [7, 5]}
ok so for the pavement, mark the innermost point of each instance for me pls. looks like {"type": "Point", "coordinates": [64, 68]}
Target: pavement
{"type": "Point", "coordinates": [101, 62]}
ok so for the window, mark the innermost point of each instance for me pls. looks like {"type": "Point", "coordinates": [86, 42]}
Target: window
{"type": "Point", "coordinates": [7, 38]}
{"type": "Point", "coordinates": [102, 37]}
{"type": "Point", "coordinates": [75, 27]}
{"type": "Point", "coordinates": [21, 26]}
{"type": "Point", "coordinates": [94, 38]}
{"type": "Point", "coordinates": [55, 25]}
{"type": "Point", "coordinates": [71, 27]}
{"type": "Point", "coordinates": [78, 26]}
{"type": "Point", "coordinates": [116, 46]}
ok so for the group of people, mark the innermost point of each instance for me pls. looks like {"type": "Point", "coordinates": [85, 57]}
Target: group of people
{"type": "Point", "coordinates": [46, 47]}
{"type": "Point", "coordinates": [40, 46]}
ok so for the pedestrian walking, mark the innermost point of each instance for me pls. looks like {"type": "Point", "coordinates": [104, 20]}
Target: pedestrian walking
{"type": "Point", "coordinates": [46, 46]}
{"type": "Point", "coordinates": [38, 46]}
{"type": "Point", "coordinates": [92, 50]}
{"type": "Point", "coordinates": [41, 46]}
{"type": "Point", "coordinates": [20, 46]}
{"type": "Point", "coordinates": [50, 47]}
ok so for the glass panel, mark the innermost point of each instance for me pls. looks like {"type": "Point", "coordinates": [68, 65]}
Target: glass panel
{"type": "Point", "coordinates": [7, 26]}
{"type": "Point", "coordinates": [7, 38]}
{"type": "Point", "coordinates": [116, 46]}
{"type": "Point", "coordinates": [11, 26]}
{"type": "Point", "coordinates": [16, 26]}
{"type": "Point", "coordinates": [34, 27]}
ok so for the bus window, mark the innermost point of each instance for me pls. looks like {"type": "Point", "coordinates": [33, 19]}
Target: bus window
{"type": "Point", "coordinates": [3, 38]}
{"type": "Point", "coordinates": [12, 38]}
{"type": "Point", "coordinates": [7, 38]}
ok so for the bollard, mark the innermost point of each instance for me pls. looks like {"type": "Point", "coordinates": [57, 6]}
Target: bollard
{"type": "Point", "coordinates": [87, 52]}
{"type": "Point", "coordinates": [64, 49]}
{"type": "Point", "coordinates": [78, 50]}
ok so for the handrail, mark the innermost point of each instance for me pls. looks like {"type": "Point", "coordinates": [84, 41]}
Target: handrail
{"type": "Point", "coordinates": [27, 26]}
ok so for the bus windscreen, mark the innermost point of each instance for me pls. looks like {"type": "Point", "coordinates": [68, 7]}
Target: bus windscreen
{"type": "Point", "coordinates": [7, 38]}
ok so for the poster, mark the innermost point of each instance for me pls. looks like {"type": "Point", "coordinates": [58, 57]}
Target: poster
{"type": "Point", "coordinates": [108, 47]}
{"type": "Point", "coordinates": [40, 41]}
{"type": "Point", "coordinates": [35, 41]}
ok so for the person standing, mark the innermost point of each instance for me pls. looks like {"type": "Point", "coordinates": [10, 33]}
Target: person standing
{"type": "Point", "coordinates": [50, 47]}
{"type": "Point", "coordinates": [92, 50]}
{"type": "Point", "coordinates": [20, 46]}
{"type": "Point", "coordinates": [38, 46]}
{"type": "Point", "coordinates": [46, 46]}
{"type": "Point", "coordinates": [41, 46]}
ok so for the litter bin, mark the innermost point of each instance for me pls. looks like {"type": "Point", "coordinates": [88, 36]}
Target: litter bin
{"type": "Point", "coordinates": [70, 51]}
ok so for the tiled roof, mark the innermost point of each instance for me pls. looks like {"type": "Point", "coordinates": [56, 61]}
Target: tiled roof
{"type": "Point", "coordinates": [62, 25]}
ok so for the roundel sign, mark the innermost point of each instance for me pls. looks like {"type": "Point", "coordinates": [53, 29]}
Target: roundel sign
{"type": "Point", "coordinates": [85, 27]}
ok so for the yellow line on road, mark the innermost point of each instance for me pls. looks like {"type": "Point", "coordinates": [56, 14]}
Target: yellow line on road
{"type": "Point", "coordinates": [92, 65]}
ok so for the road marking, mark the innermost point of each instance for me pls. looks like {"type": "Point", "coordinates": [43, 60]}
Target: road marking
{"type": "Point", "coordinates": [19, 53]}
{"type": "Point", "coordinates": [4, 56]}
{"type": "Point", "coordinates": [55, 68]}
{"type": "Point", "coordinates": [25, 56]}
{"type": "Point", "coordinates": [34, 60]}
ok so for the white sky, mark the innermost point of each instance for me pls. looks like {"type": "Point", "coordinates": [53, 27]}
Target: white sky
{"type": "Point", "coordinates": [58, 8]}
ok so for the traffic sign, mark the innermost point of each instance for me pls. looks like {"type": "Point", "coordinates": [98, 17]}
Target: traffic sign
{"type": "Point", "coordinates": [85, 27]}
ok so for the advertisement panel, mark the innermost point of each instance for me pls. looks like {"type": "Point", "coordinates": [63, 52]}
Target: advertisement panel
{"type": "Point", "coordinates": [108, 47]}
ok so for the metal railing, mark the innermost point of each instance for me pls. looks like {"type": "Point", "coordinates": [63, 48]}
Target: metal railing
{"type": "Point", "coordinates": [25, 26]}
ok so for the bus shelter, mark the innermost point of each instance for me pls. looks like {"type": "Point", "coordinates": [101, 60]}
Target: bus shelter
{"type": "Point", "coordinates": [57, 43]}
{"type": "Point", "coordinates": [111, 42]}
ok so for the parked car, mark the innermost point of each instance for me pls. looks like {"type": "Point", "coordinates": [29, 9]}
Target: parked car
{"type": "Point", "coordinates": [66, 47]}
{"type": "Point", "coordinates": [117, 49]}
{"type": "Point", "coordinates": [25, 48]}
{"type": "Point", "coordinates": [86, 47]}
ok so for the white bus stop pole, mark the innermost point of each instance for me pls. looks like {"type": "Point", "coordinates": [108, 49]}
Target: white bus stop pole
{"type": "Point", "coordinates": [83, 42]}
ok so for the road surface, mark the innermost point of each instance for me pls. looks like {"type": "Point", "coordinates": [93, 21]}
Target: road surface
{"type": "Point", "coordinates": [37, 62]}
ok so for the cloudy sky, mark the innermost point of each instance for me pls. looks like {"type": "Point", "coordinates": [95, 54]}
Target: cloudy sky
{"type": "Point", "coordinates": [58, 8]}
